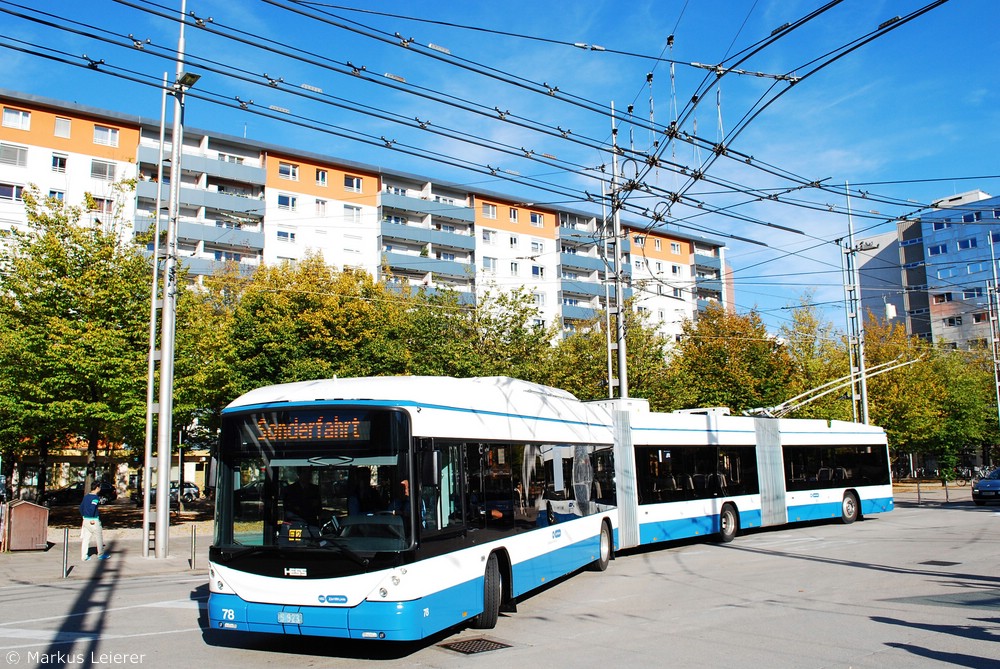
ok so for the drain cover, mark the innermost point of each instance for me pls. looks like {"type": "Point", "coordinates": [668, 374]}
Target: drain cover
{"type": "Point", "coordinates": [940, 563]}
{"type": "Point", "coordinates": [473, 646]}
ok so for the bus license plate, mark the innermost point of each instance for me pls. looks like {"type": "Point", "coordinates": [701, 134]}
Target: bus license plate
{"type": "Point", "coordinates": [287, 618]}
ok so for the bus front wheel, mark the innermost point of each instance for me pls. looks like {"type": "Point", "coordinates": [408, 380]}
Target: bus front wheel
{"type": "Point", "coordinates": [492, 591]}
{"type": "Point", "coordinates": [728, 524]}
{"type": "Point", "coordinates": [849, 508]}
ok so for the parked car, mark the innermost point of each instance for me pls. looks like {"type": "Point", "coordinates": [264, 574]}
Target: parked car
{"type": "Point", "coordinates": [73, 494]}
{"type": "Point", "coordinates": [987, 489]}
{"type": "Point", "coordinates": [190, 494]}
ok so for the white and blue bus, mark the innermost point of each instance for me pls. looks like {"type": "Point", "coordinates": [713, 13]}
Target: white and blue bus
{"type": "Point", "coordinates": [396, 507]}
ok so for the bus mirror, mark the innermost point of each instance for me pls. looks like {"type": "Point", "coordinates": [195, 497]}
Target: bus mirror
{"type": "Point", "coordinates": [431, 474]}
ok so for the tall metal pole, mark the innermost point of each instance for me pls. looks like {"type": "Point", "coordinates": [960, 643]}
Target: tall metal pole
{"type": "Point", "coordinates": [856, 321]}
{"type": "Point", "coordinates": [619, 240]}
{"type": "Point", "coordinates": [995, 335]}
{"type": "Point", "coordinates": [151, 407]}
{"type": "Point", "coordinates": [169, 313]}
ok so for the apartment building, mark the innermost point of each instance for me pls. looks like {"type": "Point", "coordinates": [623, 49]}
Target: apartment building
{"type": "Point", "coordinates": [254, 203]}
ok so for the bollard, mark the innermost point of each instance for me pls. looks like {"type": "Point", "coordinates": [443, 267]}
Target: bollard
{"type": "Point", "coordinates": [946, 497]}
{"type": "Point", "coordinates": [65, 566]}
{"type": "Point", "coordinates": [194, 547]}
{"type": "Point", "coordinates": [918, 491]}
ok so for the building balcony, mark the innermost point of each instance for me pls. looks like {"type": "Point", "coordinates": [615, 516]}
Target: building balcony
{"type": "Point", "coordinates": [412, 233]}
{"type": "Point", "coordinates": [577, 313]}
{"type": "Point", "coordinates": [581, 262]}
{"type": "Point", "coordinates": [422, 264]}
{"type": "Point", "coordinates": [589, 288]}
{"type": "Point", "coordinates": [423, 207]}
{"type": "Point", "coordinates": [210, 166]}
{"type": "Point", "coordinates": [209, 232]}
{"type": "Point", "coordinates": [198, 197]}
{"type": "Point", "coordinates": [708, 286]}
{"type": "Point", "coordinates": [708, 262]}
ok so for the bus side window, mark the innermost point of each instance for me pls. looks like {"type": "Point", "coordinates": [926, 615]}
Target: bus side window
{"type": "Point", "coordinates": [443, 504]}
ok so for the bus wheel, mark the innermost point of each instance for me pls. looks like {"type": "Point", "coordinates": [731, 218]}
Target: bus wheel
{"type": "Point", "coordinates": [604, 557]}
{"type": "Point", "coordinates": [849, 508]}
{"type": "Point", "coordinates": [492, 589]}
{"type": "Point", "coordinates": [728, 524]}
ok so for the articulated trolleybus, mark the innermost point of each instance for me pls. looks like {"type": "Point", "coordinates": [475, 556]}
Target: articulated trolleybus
{"type": "Point", "coordinates": [393, 508]}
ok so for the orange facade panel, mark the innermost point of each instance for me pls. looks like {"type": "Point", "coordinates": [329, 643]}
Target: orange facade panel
{"type": "Point", "coordinates": [672, 250]}
{"type": "Point", "coordinates": [71, 133]}
{"type": "Point", "coordinates": [322, 180]}
{"type": "Point", "coordinates": [499, 215]}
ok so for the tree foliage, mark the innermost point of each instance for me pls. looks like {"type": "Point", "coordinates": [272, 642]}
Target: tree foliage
{"type": "Point", "coordinates": [74, 318]}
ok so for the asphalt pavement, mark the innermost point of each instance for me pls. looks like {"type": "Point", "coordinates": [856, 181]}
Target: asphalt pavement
{"type": "Point", "coordinates": [187, 550]}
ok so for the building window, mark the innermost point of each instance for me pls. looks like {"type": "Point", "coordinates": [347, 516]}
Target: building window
{"type": "Point", "coordinates": [678, 293]}
{"type": "Point", "coordinates": [974, 267]}
{"type": "Point", "coordinates": [941, 298]}
{"type": "Point", "coordinates": [941, 225]}
{"type": "Point", "coordinates": [513, 241]}
{"type": "Point", "coordinates": [640, 241]}
{"type": "Point", "coordinates": [57, 195]}
{"type": "Point", "coordinates": [937, 249]}
{"type": "Point", "coordinates": [58, 162]}
{"type": "Point", "coordinates": [11, 192]}
{"type": "Point", "coordinates": [447, 255]}
{"type": "Point", "coordinates": [321, 207]}
{"type": "Point", "coordinates": [539, 299]}
{"type": "Point", "coordinates": [230, 158]}
{"type": "Point", "coordinates": [105, 136]}
{"type": "Point", "coordinates": [321, 176]}
{"type": "Point", "coordinates": [227, 256]}
{"type": "Point", "coordinates": [352, 184]}
{"type": "Point", "coordinates": [395, 220]}
{"type": "Point", "coordinates": [515, 269]}
{"type": "Point", "coordinates": [489, 265]}
{"type": "Point", "coordinates": [16, 118]}
{"type": "Point", "coordinates": [102, 205]}
{"type": "Point", "coordinates": [288, 171]}
{"type": "Point", "coordinates": [286, 236]}
{"type": "Point", "coordinates": [14, 155]}
{"type": "Point", "coordinates": [571, 302]}
{"type": "Point", "coordinates": [394, 190]}
{"type": "Point", "coordinates": [489, 236]}
{"type": "Point", "coordinates": [352, 214]}
{"type": "Point", "coordinates": [62, 127]}
{"type": "Point", "coordinates": [489, 210]}
{"type": "Point", "coordinates": [972, 293]}
{"type": "Point", "coordinates": [946, 273]}
{"type": "Point", "coordinates": [980, 317]}
{"type": "Point", "coordinates": [953, 321]}
{"type": "Point", "coordinates": [969, 243]}
{"type": "Point", "coordinates": [657, 243]}
{"type": "Point", "coordinates": [444, 200]}
{"type": "Point", "coordinates": [289, 202]}
{"type": "Point", "coordinates": [537, 220]}
{"type": "Point", "coordinates": [537, 246]}
{"type": "Point", "coordinates": [513, 215]}
{"type": "Point", "coordinates": [537, 272]}
{"type": "Point", "coordinates": [675, 270]}
{"type": "Point", "coordinates": [100, 169]}
{"type": "Point", "coordinates": [972, 217]}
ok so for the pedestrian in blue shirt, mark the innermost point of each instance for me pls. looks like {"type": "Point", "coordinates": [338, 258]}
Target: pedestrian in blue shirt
{"type": "Point", "coordinates": [91, 524]}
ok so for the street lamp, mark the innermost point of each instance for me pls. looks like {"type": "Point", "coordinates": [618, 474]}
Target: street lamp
{"type": "Point", "coordinates": [182, 82]}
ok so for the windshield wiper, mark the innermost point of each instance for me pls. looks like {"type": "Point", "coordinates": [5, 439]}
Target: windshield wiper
{"type": "Point", "coordinates": [229, 554]}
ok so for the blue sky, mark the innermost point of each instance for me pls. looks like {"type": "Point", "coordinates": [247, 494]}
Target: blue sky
{"type": "Point", "coordinates": [907, 118]}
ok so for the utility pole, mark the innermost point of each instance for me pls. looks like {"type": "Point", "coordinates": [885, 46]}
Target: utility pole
{"type": "Point", "coordinates": [993, 293]}
{"type": "Point", "coordinates": [855, 324]}
{"type": "Point", "coordinates": [619, 284]}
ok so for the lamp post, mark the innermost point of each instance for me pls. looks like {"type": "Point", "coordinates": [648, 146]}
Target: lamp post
{"type": "Point", "coordinates": [182, 82]}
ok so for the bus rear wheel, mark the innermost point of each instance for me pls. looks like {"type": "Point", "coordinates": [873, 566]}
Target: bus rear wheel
{"type": "Point", "coordinates": [492, 591]}
{"type": "Point", "coordinates": [728, 524]}
{"type": "Point", "coordinates": [604, 550]}
{"type": "Point", "coordinates": [849, 508]}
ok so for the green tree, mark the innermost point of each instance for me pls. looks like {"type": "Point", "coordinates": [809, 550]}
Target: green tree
{"type": "Point", "coordinates": [725, 359]}
{"type": "Point", "coordinates": [818, 356]}
{"type": "Point", "coordinates": [75, 300]}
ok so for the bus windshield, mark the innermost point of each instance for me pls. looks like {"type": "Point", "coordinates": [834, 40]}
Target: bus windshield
{"type": "Point", "coordinates": [326, 478]}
